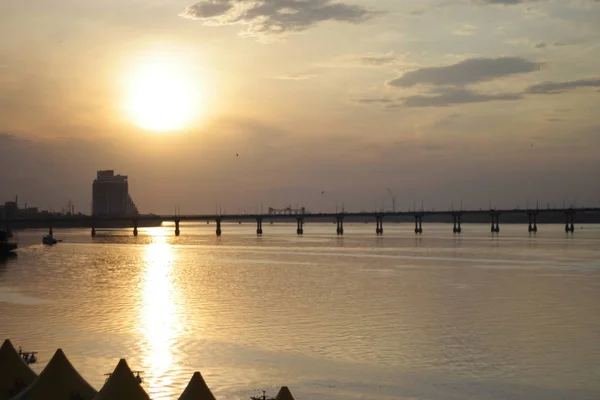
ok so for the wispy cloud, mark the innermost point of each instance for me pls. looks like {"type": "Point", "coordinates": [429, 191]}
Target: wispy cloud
{"type": "Point", "coordinates": [470, 71]}
{"type": "Point", "coordinates": [560, 87]}
{"type": "Point", "coordinates": [377, 60]}
{"type": "Point", "coordinates": [382, 100]}
{"type": "Point", "coordinates": [444, 97]}
{"type": "Point", "coordinates": [294, 77]}
{"type": "Point", "coordinates": [465, 30]}
{"type": "Point", "coordinates": [505, 2]}
{"type": "Point", "coordinates": [366, 60]}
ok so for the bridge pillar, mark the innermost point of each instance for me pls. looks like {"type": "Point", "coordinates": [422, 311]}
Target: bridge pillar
{"type": "Point", "coordinates": [340, 225]}
{"type": "Point", "coordinates": [418, 223]}
{"type": "Point", "coordinates": [218, 220]}
{"type": "Point", "coordinates": [457, 221]}
{"type": "Point", "coordinates": [177, 231]}
{"type": "Point", "coordinates": [570, 222]}
{"type": "Point", "coordinates": [135, 227]}
{"type": "Point", "coordinates": [259, 230]}
{"type": "Point", "coordinates": [532, 223]}
{"type": "Point", "coordinates": [300, 226]}
{"type": "Point", "coordinates": [495, 222]}
{"type": "Point", "coordinates": [379, 229]}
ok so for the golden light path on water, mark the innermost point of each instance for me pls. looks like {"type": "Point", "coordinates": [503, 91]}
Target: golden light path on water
{"type": "Point", "coordinates": [159, 316]}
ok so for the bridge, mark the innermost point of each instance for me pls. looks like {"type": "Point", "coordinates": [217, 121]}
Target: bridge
{"type": "Point", "coordinates": [493, 216]}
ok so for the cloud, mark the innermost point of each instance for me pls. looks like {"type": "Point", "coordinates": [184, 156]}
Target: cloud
{"type": "Point", "coordinates": [445, 97]}
{"type": "Point", "coordinates": [467, 72]}
{"type": "Point", "coordinates": [465, 30]}
{"type": "Point", "coordinates": [382, 100]}
{"type": "Point", "coordinates": [514, 2]}
{"type": "Point", "coordinates": [441, 97]}
{"type": "Point", "coordinates": [560, 87]}
{"type": "Point", "coordinates": [505, 2]}
{"type": "Point", "coordinates": [294, 77]}
{"type": "Point", "coordinates": [378, 60]}
{"type": "Point", "coordinates": [271, 17]}
{"type": "Point", "coordinates": [366, 60]}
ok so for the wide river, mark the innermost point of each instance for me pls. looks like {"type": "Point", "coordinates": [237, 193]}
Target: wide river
{"type": "Point", "coordinates": [433, 317]}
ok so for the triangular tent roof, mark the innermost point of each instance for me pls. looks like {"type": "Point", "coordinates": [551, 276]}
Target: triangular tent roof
{"type": "Point", "coordinates": [284, 394]}
{"type": "Point", "coordinates": [122, 385]}
{"type": "Point", "coordinates": [14, 373]}
{"type": "Point", "coordinates": [197, 389]}
{"type": "Point", "coordinates": [59, 380]}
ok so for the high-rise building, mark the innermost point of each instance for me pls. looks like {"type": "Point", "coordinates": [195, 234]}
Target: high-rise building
{"type": "Point", "coordinates": [110, 195]}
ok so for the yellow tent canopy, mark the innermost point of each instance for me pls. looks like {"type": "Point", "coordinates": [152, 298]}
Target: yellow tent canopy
{"type": "Point", "coordinates": [15, 375]}
{"type": "Point", "coordinates": [284, 394]}
{"type": "Point", "coordinates": [197, 389]}
{"type": "Point", "coordinates": [59, 380]}
{"type": "Point", "coordinates": [122, 385]}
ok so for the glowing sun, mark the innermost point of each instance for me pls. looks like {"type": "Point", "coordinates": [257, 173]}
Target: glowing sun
{"type": "Point", "coordinates": [160, 96]}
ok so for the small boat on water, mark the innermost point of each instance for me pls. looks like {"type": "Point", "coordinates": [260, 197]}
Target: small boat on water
{"type": "Point", "coordinates": [49, 240]}
{"type": "Point", "coordinates": [29, 357]}
{"type": "Point", "coordinates": [6, 247]}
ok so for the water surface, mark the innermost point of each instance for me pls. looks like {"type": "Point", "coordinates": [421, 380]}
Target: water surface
{"type": "Point", "coordinates": [434, 316]}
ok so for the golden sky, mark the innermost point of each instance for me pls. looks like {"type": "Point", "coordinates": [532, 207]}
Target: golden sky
{"type": "Point", "coordinates": [440, 100]}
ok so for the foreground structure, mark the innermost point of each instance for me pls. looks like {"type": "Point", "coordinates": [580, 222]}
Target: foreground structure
{"type": "Point", "coordinates": [15, 375]}
{"type": "Point", "coordinates": [60, 380]}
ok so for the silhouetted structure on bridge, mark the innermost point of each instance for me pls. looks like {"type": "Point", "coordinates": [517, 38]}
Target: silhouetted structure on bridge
{"type": "Point", "coordinates": [287, 211]}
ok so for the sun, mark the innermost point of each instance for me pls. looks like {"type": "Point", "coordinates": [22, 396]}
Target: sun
{"type": "Point", "coordinates": [161, 95]}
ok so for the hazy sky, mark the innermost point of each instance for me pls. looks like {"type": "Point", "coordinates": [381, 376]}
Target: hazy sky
{"type": "Point", "coordinates": [439, 100]}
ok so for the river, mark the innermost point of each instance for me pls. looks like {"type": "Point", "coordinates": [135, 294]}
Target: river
{"type": "Point", "coordinates": [432, 317]}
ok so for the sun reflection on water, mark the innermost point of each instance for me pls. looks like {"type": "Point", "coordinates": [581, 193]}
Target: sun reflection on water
{"type": "Point", "coordinates": [159, 316]}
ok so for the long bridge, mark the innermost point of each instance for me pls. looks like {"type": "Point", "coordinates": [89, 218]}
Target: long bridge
{"type": "Point", "coordinates": [493, 216]}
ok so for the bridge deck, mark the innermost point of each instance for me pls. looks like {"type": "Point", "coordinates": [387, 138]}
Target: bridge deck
{"type": "Point", "coordinates": [88, 219]}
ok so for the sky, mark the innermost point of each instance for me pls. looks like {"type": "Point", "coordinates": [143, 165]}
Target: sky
{"type": "Point", "coordinates": [238, 104]}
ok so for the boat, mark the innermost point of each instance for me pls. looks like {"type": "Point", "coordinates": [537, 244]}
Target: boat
{"type": "Point", "coordinates": [29, 357]}
{"type": "Point", "coordinates": [49, 240]}
{"type": "Point", "coordinates": [6, 247]}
